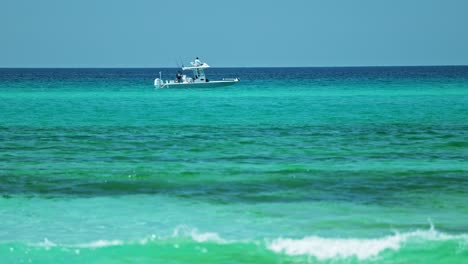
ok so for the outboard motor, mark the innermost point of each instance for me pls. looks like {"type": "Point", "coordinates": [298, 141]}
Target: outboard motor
{"type": "Point", "coordinates": [158, 83]}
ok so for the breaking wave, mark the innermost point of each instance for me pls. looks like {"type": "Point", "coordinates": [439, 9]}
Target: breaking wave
{"type": "Point", "coordinates": [319, 248]}
{"type": "Point", "coordinates": [361, 248]}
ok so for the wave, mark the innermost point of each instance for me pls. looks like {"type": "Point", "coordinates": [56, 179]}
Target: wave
{"type": "Point", "coordinates": [94, 244]}
{"type": "Point", "coordinates": [195, 235]}
{"type": "Point", "coordinates": [319, 248]}
{"type": "Point", "coordinates": [184, 233]}
{"type": "Point", "coordinates": [361, 248]}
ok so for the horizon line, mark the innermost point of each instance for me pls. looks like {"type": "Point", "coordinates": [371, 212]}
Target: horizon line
{"type": "Point", "coordinates": [240, 67]}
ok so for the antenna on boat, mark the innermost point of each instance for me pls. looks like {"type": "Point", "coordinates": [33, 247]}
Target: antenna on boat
{"type": "Point", "coordinates": [181, 62]}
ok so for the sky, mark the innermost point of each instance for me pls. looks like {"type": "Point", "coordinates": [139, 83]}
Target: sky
{"type": "Point", "coordinates": [240, 33]}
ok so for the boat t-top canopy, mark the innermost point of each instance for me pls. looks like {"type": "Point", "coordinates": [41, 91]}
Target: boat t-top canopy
{"type": "Point", "coordinates": [194, 67]}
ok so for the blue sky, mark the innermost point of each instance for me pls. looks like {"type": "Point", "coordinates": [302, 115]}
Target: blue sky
{"type": "Point", "coordinates": [241, 33]}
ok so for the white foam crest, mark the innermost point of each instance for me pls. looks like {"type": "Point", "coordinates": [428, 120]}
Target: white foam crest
{"type": "Point", "coordinates": [329, 248]}
{"type": "Point", "coordinates": [100, 244]}
{"type": "Point", "coordinates": [94, 244]}
{"type": "Point", "coordinates": [145, 240]}
{"type": "Point", "coordinates": [194, 234]}
{"type": "Point", "coordinates": [46, 244]}
{"type": "Point", "coordinates": [180, 231]}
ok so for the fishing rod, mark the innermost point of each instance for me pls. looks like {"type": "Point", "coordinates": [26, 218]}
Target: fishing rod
{"type": "Point", "coordinates": [181, 62]}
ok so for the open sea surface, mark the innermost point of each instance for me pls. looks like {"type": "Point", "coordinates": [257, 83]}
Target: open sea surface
{"type": "Point", "coordinates": [291, 165]}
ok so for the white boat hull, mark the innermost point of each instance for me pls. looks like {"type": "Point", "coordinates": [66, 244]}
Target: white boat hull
{"type": "Point", "coordinates": [210, 84]}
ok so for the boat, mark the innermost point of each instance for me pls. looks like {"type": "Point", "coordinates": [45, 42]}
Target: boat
{"type": "Point", "coordinates": [198, 80]}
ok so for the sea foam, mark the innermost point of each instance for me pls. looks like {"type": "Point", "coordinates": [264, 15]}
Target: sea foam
{"type": "Point", "coordinates": [361, 248]}
{"type": "Point", "coordinates": [195, 235]}
{"type": "Point", "coordinates": [93, 244]}
{"type": "Point", "coordinates": [322, 248]}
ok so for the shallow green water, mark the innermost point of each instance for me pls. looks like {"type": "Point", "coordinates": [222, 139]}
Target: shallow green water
{"type": "Point", "coordinates": [346, 165]}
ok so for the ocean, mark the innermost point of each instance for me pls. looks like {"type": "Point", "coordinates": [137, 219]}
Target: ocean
{"type": "Point", "coordinates": [291, 165]}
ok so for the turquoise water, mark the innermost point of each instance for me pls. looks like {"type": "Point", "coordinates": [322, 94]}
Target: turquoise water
{"type": "Point", "coordinates": [326, 165]}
